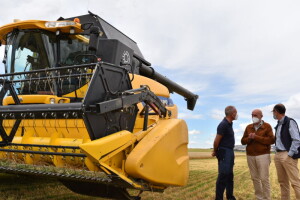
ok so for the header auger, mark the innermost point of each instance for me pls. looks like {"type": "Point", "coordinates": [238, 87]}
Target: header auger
{"type": "Point", "coordinates": [78, 102]}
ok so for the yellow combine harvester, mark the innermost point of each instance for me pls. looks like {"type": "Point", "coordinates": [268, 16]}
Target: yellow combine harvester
{"type": "Point", "coordinates": [78, 102]}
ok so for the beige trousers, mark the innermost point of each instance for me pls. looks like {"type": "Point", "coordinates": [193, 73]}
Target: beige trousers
{"type": "Point", "coordinates": [259, 170]}
{"type": "Point", "coordinates": [287, 171]}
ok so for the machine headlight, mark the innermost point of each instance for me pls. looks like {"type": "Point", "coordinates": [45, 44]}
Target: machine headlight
{"type": "Point", "coordinates": [52, 101]}
{"type": "Point", "coordinates": [61, 101]}
{"type": "Point", "coordinates": [59, 24]}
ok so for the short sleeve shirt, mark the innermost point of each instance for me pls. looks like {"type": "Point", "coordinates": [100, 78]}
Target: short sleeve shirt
{"type": "Point", "coordinates": [225, 129]}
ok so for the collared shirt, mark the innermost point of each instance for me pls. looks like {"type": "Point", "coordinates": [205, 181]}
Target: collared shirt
{"type": "Point", "coordinates": [293, 129]}
{"type": "Point", "coordinates": [259, 125]}
{"type": "Point", "coordinates": [225, 129]}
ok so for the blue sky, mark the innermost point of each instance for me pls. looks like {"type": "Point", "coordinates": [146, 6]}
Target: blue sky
{"type": "Point", "coordinates": [241, 53]}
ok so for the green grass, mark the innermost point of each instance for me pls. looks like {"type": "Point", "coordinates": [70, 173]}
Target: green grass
{"type": "Point", "coordinates": [201, 184]}
{"type": "Point", "coordinates": [199, 150]}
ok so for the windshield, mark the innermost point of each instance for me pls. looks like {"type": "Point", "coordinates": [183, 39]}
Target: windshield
{"type": "Point", "coordinates": [29, 50]}
{"type": "Point", "coordinates": [73, 50]}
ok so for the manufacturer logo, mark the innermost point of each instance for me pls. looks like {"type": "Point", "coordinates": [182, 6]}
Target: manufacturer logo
{"type": "Point", "coordinates": [126, 58]}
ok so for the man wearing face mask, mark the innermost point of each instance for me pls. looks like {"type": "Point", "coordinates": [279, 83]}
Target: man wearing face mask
{"type": "Point", "coordinates": [223, 149]}
{"type": "Point", "coordinates": [258, 137]}
{"type": "Point", "coordinates": [287, 144]}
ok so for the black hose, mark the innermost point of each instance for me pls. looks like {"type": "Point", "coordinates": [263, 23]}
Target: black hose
{"type": "Point", "coordinates": [190, 97]}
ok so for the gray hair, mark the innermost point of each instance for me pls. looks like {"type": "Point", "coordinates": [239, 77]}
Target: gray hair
{"type": "Point", "coordinates": [229, 110]}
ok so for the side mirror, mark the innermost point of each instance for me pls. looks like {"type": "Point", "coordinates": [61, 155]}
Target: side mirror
{"type": "Point", "coordinates": [94, 35]}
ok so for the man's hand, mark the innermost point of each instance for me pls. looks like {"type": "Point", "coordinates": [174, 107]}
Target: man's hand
{"type": "Point", "coordinates": [251, 135]}
{"type": "Point", "coordinates": [216, 144]}
{"type": "Point", "coordinates": [213, 154]}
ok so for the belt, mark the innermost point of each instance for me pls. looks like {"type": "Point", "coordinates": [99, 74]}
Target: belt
{"type": "Point", "coordinates": [278, 150]}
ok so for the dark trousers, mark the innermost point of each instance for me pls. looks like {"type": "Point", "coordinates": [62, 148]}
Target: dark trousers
{"type": "Point", "coordinates": [225, 176]}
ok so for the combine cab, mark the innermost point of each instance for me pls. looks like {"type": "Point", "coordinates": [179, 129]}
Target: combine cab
{"type": "Point", "coordinates": [78, 102]}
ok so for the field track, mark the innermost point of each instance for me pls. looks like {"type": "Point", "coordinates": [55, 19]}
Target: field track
{"type": "Point", "coordinates": [201, 185]}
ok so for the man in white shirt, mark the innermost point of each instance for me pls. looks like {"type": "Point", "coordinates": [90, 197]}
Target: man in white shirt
{"type": "Point", "coordinates": [287, 143]}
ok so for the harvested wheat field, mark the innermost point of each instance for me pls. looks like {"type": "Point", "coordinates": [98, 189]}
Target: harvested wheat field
{"type": "Point", "coordinates": [201, 185]}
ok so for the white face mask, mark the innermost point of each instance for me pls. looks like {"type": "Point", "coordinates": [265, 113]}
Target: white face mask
{"type": "Point", "coordinates": [236, 117]}
{"type": "Point", "coordinates": [274, 116]}
{"type": "Point", "coordinates": [255, 120]}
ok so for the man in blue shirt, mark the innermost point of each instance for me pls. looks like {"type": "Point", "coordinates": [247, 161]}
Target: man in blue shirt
{"type": "Point", "coordinates": [223, 150]}
{"type": "Point", "coordinates": [287, 143]}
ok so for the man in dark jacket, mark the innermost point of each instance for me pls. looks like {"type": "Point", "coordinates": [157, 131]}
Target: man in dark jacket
{"type": "Point", "coordinates": [287, 151]}
{"type": "Point", "coordinates": [223, 149]}
{"type": "Point", "coordinates": [258, 137]}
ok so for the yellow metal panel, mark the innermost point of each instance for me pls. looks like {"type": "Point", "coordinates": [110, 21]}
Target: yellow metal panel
{"type": "Point", "coordinates": [109, 152]}
{"type": "Point", "coordinates": [161, 157]}
{"type": "Point", "coordinates": [155, 87]}
{"type": "Point", "coordinates": [34, 24]}
{"type": "Point", "coordinates": [67, 128]}
{"type": "Point", "coordinates": [40, 99]}
{"type": "Point", "coordinates": [100, 147]}
{"type": "Point", "coordinates": [137, 185]}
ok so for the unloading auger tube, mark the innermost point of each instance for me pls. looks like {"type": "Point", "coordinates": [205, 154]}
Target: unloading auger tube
{"type": "Point", "coordinates": [79, 103]}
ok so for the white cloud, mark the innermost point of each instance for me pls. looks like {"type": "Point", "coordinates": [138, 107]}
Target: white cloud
{"type": "Point", "coordinates": [189, 116]}
{"type": "Point", "coordinates": [292, 105]}
{"type": "Point", "coordinates": [251, 45]}
{"type": "Point", "coordinates": [241, 128]}
{"type": "Point", "coordinates": [239, 132]}
{"type": "Point", "coordinates": [193, 142]}
{"type": "Point", "coordinates": [243, 115]}
{"type": "Point", "coordinates": [190, 84]}
{"type": "Point", "coordinates": [194, 132]}
{"type": "Point", "coordinates": [209, 142]}
{"type": "Point", "coordinates": [217, 114]}
{"type": "Point", "coordinates": [250, 50]}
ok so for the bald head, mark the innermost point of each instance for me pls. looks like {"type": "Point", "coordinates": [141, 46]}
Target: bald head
{"type": "Point", "coordinates": [257, 113]}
